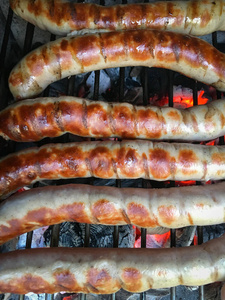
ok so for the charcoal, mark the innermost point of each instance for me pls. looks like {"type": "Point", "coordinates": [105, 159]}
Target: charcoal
{"type": "Point", "coordinates": [73, 235]}
{"type": "Point", "coordinates": [213, 231]}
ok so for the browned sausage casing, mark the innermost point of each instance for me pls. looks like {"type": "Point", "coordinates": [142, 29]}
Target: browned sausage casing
{"type": "Point", "coordinates": [111, 159]}
{"type": "Point", "coordinates": [61, 17]}
{"type": "Point", "coordinates": [150, 208]}
{"type": "Point", "coordinates": [33, 120]}
{"type": "Point", "coordinates": [64, 57]}
{"type": "Point", "coordinates": [105, 271]}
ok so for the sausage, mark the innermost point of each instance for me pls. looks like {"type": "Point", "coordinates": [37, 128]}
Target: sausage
{"type": "Point", "coordinates": [33, 120]}
{"type": "Point", "coordinates": [150, 208]}
{"type": "Point", "coordinates": [105, 271]}
{"type": "Point", "coordinates": [111, 159]}
{"type": "Point", "coordinates": [63, 17]}
{"type": "Point", "coordinates": [151, 48]}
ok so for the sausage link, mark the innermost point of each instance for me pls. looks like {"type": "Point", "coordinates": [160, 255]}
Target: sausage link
{"type": "Point", "coordinates": [111, 159]}
{"type": "Point", "coordinates": [63, 17]}
{"type": "Point", "coordinates": [152, 48]}
{"type": "Point", "coordinates": [33, 120]}
{"type": "Point", "coordinates": [105, 271]}
{"type": "Point", "coordinates": [150, 208]}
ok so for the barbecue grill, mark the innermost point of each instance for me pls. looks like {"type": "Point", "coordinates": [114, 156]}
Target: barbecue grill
{"type": "Point", "coordinates": [72, 89]}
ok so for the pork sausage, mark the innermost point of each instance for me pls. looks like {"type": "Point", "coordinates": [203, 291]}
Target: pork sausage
{"type": "Point", "coordinates": [62, 17]}
{"type": "Point", "coordinates": [150, 208]}
{"type": "Point", "coordinates": [105, 271]}
{"type": "Point", "coordinates": [33, 120]}
{"type": "Point", "coordinates": [112, 159]}
{"type": "Point", "coordinates": [64, 57]}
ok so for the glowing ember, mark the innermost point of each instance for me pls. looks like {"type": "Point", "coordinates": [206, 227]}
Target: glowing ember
{"type": "Point", "coordinates": [210, 143]}
{"type": "Point", "coordinates": [182, 98]}
{"type": "Point", "coordinates": [155, 241]}
{"type": "Point", "coordinates": [187, 101]}
{"type": "Point", "coordinates": [185, 183]}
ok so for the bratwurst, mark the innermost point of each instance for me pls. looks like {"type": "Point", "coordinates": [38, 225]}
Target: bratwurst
{"type": "Point", "coordinates": [112, 159]}
{"type": "Point", "coordinates": [150, 208]}
{"type": "Point", "coordinates": [64, 57]}
{"type": "Point", "coordinates": [105, 271]}
{"type": "Point", "coordinates": [62, 17]}
{"type": "Point", "coordinates": [33, 120]}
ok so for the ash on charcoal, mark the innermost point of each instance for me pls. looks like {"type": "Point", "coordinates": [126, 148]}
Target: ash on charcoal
{"type": "Point", "coordinates": [29, 296]}
{"type": "Point", "coordinates": [73, 235]}
{"type": "Point", "coordinates": [37, 239]}
{"type": "Point", "coordinates": [9, 297]}
{"type": "Point", "coordinates": [32, 296]}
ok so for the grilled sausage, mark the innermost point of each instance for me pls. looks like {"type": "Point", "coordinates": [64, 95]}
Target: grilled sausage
{"type": "Point", "coordinates": [62, 17]}
{"type": "Point", "coordinates": [33, 120]}
{"type": "Point", "coordinates": [105, 271]}
{"type": "Point", "coordinates": [152, 48]}
{"type": "Point", "coordinates": [150, 208]}
{"type": "Point", "coordinates": [111, 159]}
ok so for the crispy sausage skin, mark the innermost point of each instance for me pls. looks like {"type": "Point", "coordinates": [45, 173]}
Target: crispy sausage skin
{"type": "Point", "coordinates": [33, 120]}
{"type": "Point", "coordinates": [150, 208]}
{"type": "Point", "coordinates": [105, 271]}
{"type": "Point", "coordinates": [111, 159]}
{"type": "Point", "coordinates": [62, 17]}
{"type": "Point", "coordinates": [64, 57]}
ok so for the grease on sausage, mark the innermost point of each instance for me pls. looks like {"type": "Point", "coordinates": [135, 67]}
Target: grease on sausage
{"type": "Point", "coordinates": [33, 120]}
{"type": "Point", "coordinates": [64, 57]}
{"type": "Point", "coordinates": [62, 17]}
{"type": "Point", "coordinates": [111, 159]}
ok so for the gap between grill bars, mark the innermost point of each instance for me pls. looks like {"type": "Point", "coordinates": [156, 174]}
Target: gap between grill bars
{"type": "Point", "coordinates": [71, 91]}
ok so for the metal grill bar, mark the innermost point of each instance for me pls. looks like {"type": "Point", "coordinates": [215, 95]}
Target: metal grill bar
{"type": "Point", "coordinates": [172, 183]}
{"type": "Point", "coordinates": [28, 38]}
{"type": "Point", "coordinates": [144, 182]}
{"type": "Point", "coordinates": [195, 93]}
{"type": "Point", "coordinates": [96, 86]}
{"type": "Point", "coordinates": [172, 244]}
{"type": "Point", "coordinates": [218, 93]}
{"type": "Point", "coordinates": [5, 39]}
{"type": "Point", "coordinates": [26, 48]}
{"type": "Point", "coordinates": [4, 100]}
{"type": "Point", "coordinates": [55, 236]}
{"type": "Point", "coordinates": [170, 92]}
{"type": "Point", "coordinates": [200, 241]}
{"type": "Point", "coordinates": [145, 86]}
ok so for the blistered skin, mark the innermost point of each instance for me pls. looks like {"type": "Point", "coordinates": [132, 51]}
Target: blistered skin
{"type": "Point", "coordinates": [33, 120]}
{"type": "Point", "coordinates": [64, 57]}
{"type": "Point", "coordinates": [105, 271]}
{"type": "Point", "coordinates": [62, 17]}
{"type": "Point", "coordinates": [111, 159]}
{"type": "Point", "coordinates": [150, 208]}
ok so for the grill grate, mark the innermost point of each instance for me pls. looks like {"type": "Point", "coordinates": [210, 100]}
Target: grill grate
{"type": "Point", "coordinates": [5, 97]}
